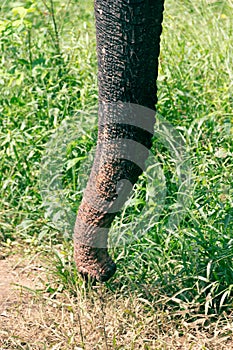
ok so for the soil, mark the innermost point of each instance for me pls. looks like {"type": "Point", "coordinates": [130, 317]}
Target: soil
{"type": "Point", "coordinates": [15, 273]}
{"type": "Point", "coordinates": [17, 276]}
{"type": "Point", "coordinates": [32, 320]}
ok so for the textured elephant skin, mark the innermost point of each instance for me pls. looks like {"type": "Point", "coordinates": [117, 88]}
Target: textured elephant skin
{"type": "Point", "coordinates": [128, 43]}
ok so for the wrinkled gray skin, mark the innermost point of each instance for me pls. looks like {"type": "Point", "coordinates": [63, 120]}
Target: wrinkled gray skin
{"type": "Point", "coordinates": [128, 36]}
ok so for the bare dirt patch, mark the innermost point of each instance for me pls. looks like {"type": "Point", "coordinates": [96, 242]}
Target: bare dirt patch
{"type": "Point", "coordinates": [33, 318]}
{"type": "Point", "coordinates": [16, 273]}
{"type": "Point", "coordinates": [18, 276]}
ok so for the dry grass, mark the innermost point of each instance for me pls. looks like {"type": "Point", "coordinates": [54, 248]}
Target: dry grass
{"type": "Point", "coordinates": [33, 318]}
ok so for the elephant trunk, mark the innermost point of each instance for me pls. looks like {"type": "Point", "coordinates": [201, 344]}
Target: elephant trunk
{"type": "Point", "coordinates": [128, 35]}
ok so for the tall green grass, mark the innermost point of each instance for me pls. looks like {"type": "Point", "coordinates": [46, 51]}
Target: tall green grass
{"type": "Point", "coordinates": [48, 72]}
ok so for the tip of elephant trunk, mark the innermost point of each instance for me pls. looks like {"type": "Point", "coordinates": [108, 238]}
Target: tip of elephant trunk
{"type": "Point", "coordinates": [94, 264]}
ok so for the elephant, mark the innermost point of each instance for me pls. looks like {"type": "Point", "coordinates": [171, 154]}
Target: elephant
{"type": "Point", "coordinates": [128, 46]}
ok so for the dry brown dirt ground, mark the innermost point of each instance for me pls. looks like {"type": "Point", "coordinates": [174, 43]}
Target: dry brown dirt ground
{"type": "Point", "coordinates": [15, 273]}
{"type": "Point", "coordinates": [31, 318]}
